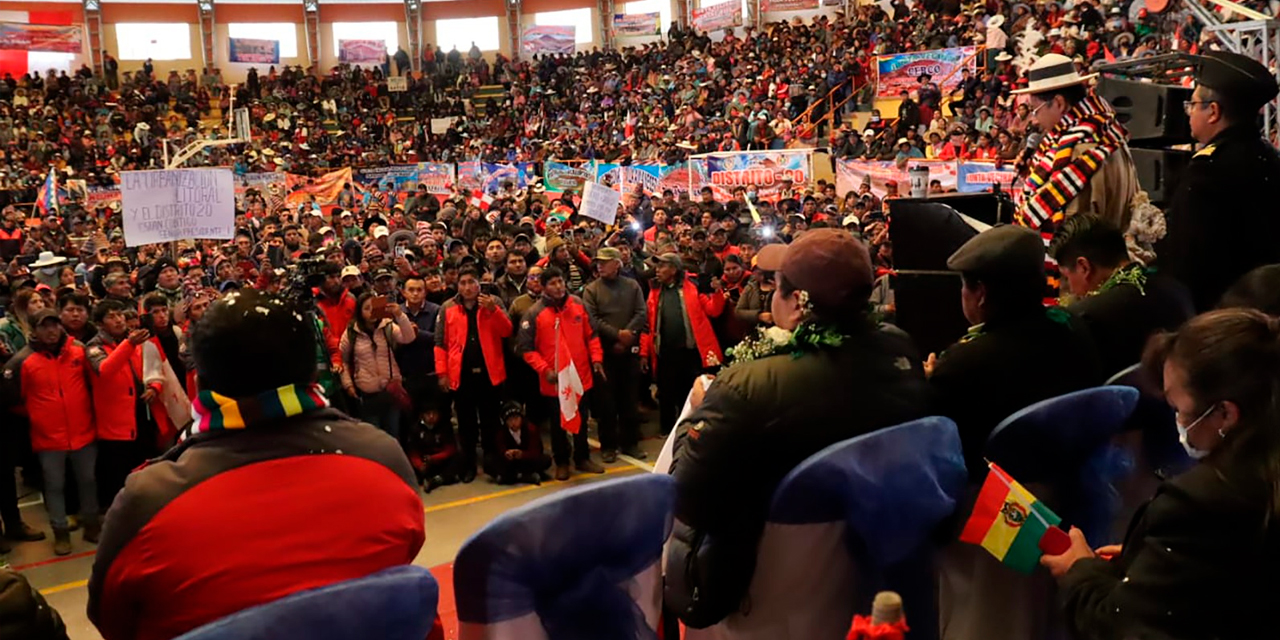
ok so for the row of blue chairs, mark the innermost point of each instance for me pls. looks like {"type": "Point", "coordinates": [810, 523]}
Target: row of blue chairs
{"type": "Point", "coordinates": [863, 515]}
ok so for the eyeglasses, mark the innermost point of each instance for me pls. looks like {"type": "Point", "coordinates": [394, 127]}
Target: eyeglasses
{"type": "Point", "coordinates": [1039, 107]}
{"type": "Point", "coordinates": [1190, 105]}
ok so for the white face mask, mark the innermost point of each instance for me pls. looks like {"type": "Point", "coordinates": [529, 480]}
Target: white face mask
{"type": "Point", "coordinates": [1183, 431]}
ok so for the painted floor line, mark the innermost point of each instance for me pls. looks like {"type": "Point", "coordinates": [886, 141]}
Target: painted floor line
{"type": "Point", "coordinates": [56, 560]}
{"type": "Point", "coordinates": [643, 466]}
{"type": "Point", "coordinates": [64, 587]}
{"type": "Point", "coordinates": [31, 503]}
{"type": "Point", "coordinates": [517, 490]}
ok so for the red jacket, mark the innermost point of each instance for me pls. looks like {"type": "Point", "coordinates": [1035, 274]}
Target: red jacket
{"type": "Point", "coordinates": [708, 306]}
{"type": "Point", "coordinates": [116, 370]}
{"type": "Point", "coordinates": [538, 333]}
{"type": "Point", "coordinates": [451, 338]}
{"type": "Point", "coordinates": [337, 315]}
{"type": "Point", "coordinates": [55, 390]}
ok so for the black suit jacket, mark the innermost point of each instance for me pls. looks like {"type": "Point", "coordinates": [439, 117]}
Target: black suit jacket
{"type": "Point", "coordinates": [1122, 318]}
{"type": "Point", "coordinates": [1223, 221]}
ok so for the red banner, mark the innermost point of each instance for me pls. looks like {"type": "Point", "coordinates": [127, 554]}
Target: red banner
{"type": "Point", "coordinates": [40, 37]}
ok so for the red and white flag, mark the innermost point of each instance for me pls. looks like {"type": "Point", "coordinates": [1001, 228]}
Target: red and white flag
{"type": "Point", "coordinates": [568, 386]}
{"type": "Point", "coordinates": [480, 200]}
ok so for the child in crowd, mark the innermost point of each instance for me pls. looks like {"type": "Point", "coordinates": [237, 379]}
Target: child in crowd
{"type": "Point", "coordinates": [433, 452]}
{"type": "Point", "coordinates": [517, 455]}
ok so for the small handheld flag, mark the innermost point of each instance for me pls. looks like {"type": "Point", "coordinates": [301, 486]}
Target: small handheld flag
{"type": "Point", "coordinates": [1012, 524]}
{"type": "Point", "coordinates": [47, 197]}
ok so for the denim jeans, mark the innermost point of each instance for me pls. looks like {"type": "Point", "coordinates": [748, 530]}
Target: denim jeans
{"type": "Point", "coordinates": [54, 465]}
{"type": "Point", "coordinates": [380, 410]}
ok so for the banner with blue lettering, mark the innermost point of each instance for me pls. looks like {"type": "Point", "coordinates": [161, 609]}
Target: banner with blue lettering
{"type": "Point", "coordinates": [976, 177]}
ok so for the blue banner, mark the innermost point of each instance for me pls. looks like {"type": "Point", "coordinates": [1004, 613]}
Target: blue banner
{"type": "Point", "coordinates": [977, 177]}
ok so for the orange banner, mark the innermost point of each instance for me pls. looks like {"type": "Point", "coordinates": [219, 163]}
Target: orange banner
{"type": "Point", "coordinates": [325, 188]}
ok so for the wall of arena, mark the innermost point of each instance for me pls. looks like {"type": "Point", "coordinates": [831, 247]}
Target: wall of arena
{"type": "Point", "coordinates": [291, 11]}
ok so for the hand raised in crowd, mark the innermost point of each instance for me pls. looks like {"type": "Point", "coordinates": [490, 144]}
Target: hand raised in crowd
{"type": "Point", "coordinates": [930, 364]}
{"type": "Point", "coordinates": [138, 336]}
{"type": "Point", "coordinates": [403, 267]}
{"type": "Point", "coordinates": [394, 310]}
{"type": "Point", "coordinates": [489, 302]}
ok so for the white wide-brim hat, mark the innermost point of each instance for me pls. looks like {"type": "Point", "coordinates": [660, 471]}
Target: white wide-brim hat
{"type": "Point", "coordinates": [1052, 71]}
{"type": "Point", "coordinates": [995, 22]}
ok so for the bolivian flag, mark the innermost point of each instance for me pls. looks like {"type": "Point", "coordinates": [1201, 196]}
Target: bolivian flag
{"type": "Point", "coordinates": [1010, 523]}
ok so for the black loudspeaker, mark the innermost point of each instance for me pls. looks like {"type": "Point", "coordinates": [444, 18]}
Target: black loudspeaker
{"type": "Point", "coordinates": [924, 233]}
{"type": "Point", "coordinates": [1152, 113]}
{"type": "Point", "coordinates": [1159, 171]}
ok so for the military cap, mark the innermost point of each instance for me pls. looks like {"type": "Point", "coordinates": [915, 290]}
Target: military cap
{"type": "Point", "coordinates": [1237, 77]}
{"type": "Point", "coordinates": [608, 253]}
{"type": "Point", "coordinates": [1001, 251]}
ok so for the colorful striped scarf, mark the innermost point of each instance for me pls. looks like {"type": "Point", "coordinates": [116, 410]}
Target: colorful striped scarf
{"type": "Point", "coordinates": [1058, 172]}
{"type": "Point", "coordinates": [215, 412]}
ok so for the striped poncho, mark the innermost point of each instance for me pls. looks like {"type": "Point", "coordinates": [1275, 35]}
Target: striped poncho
{"type": "Point", "coordinates": [1059, 171]}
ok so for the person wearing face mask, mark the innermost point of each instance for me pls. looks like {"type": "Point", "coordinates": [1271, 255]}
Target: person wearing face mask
{"type": "Point", "coordinates": [1202, 558]}
{"type": "Point", "coordinates": [832, 374]}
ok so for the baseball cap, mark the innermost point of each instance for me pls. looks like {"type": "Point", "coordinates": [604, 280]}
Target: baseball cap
{"type": "Point", "coordinates": [351, 270]}
{"type": "Point", "coordinates": [830, 264]}
{"type": "Point", "coordinates": [380, 231]}
{"type": "Point", "coordinates": [43, 315]}
{"type": "Point", "coordinates": [608, 253]}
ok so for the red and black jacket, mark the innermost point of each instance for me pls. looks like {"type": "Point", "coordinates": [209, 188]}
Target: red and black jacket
{"type": "Point", "coordinates": [233, 519]}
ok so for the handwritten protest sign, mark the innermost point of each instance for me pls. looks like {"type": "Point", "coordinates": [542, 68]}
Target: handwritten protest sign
{"type": "Point", "coordinates": [600, 202]}
{"type": "Point", "coordinates": [176, 204]}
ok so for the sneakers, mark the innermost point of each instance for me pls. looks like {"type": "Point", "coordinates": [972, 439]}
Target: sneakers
{"type": "Point", "coordinates": [92, 529]}
{"type": "Point", "coordinates": [62, 542]}
{"type": "Point", "coordinates": [589, 466]}
{"type": "Point", "coordinates": [562, 472]}
{"type": "Point", "coordinates": [634, 452]}
{"type": "Point", "coordinates": [24, 533]}
{"type": "Point", "coordinates": [609, 457]}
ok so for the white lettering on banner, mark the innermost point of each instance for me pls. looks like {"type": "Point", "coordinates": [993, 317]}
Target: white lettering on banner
{"type": "Point", "coordinates": [600, 202]}
{"type": "Point", "coordinates": [177, 204]}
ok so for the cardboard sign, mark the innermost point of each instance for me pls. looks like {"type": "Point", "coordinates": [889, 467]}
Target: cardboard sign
{"type": "Point", "coordinates": [600, 203]}
{"type": "Point", "coordinates": [178, 204]}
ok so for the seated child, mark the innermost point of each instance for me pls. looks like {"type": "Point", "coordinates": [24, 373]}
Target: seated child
{"type": "Point", "coordinates": [517, 454]}
{"type": "Point", "coordinates": [433, 452]}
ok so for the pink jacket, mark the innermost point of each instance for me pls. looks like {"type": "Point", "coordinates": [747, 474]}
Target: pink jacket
{"type": "Point", "coordinates": [372, 359]}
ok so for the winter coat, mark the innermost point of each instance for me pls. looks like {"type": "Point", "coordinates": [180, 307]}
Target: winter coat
{"type": "Point", "coordinates": [369, 364]}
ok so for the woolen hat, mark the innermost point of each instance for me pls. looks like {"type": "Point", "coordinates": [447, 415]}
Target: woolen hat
{"type": "Point", "coordinates": [830, 264]}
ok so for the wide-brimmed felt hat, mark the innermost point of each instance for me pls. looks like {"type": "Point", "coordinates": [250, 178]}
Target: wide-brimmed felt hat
{"type": "Point", "coordinates": [1050, 72]}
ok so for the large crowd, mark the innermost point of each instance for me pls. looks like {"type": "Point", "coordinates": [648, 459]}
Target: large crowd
{"type": "Point", "coordinates": [470, 331]}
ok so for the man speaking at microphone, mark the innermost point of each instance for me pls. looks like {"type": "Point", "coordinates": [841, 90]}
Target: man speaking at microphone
{"type": "Point", "coordinates": [1082, 164]}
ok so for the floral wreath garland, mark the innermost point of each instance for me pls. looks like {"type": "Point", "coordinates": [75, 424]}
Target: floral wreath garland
{"type": "Point", "coordinates": [770, 341]}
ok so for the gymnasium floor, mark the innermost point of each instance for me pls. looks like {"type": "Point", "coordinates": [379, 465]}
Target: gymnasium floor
{"type": "Point", "coordinates": [452, 514]}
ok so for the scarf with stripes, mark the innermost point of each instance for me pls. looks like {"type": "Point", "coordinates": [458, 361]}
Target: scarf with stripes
{"type": "Point", "coordinates": [1058, 172]}
{"type": "Point", "coordinates": [215, 412]}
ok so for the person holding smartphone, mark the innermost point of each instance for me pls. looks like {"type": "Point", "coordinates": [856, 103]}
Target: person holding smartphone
{"type": "Point", "coordinates": [370, 368]}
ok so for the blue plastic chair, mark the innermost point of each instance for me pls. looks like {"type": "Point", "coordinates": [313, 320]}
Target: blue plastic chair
{"type": "Point", "coordinates": [584, 563]}
{"type": "Point", "coordinates": [854, 518]}
{"type": "Point", "coordinates": [393, 604]}
{"type": "Point", "coordinates": [1065, 443]}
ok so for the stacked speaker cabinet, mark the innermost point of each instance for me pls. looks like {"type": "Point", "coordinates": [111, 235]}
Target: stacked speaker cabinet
{"type": "Point", "coordinates": [1154, 116]}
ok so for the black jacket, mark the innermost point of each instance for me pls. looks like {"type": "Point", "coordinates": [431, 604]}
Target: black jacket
{"type": "Point", "coordinates": [758, 421]}
{"type": "Point", "coordinates": [1122, 318]}
{"type": "Point", "coordinates": [1198, 562]}
{"type": "Point", "coordinates": [1222, 222]}
{"type": "Point", "coordinates": [1012, 363]}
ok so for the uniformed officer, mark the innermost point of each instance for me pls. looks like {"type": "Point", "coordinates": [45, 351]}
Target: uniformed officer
{"type": "Point", "coordinates": [1222, 222]}
{"type": "Point", "coordinates": [1018, 352]}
